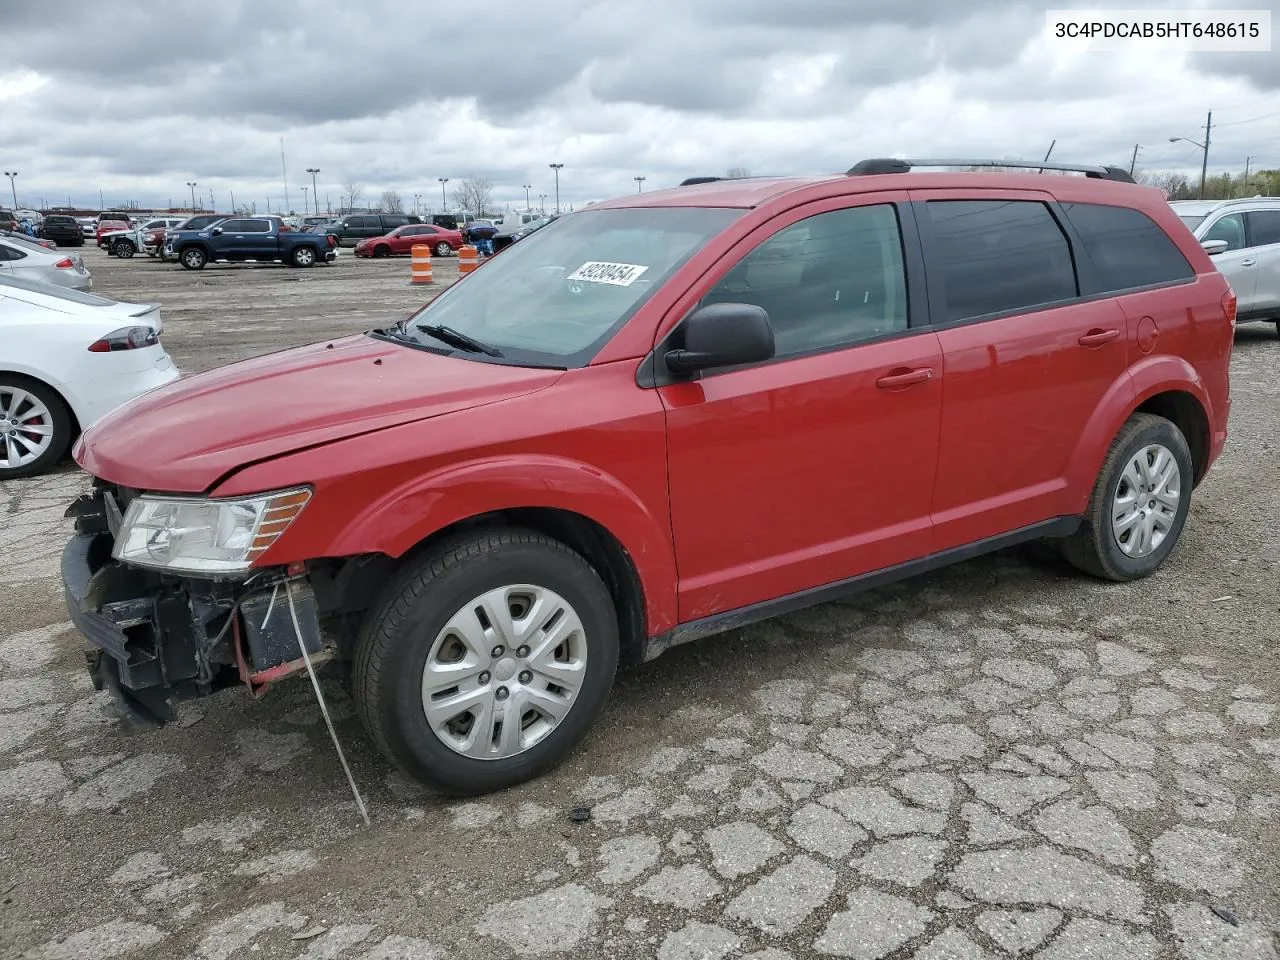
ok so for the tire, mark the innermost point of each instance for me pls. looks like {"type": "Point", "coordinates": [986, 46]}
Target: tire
{"type": "Point", "coordinates": [304, 257]}
{"type": "Point", "coordinates": [382, 250]}
{"type": "Point", "coordinates": [1096, 548]}
{"type": "Point", "coordinates": [443, 249]}
{"type": "Point", "coordinates": [193, 258]}
{"type": "Point", "coordinates": [407, 629]}
{"type": "Point", "coordinates": [24, 397]}
{"type": "Point", "coordinates": [123, 249]}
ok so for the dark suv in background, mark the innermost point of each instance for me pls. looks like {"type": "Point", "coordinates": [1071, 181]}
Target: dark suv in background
{"type": "Point", "coordinates": [63, 230]}
{"type": "Point", "coordinates": [354, 227]}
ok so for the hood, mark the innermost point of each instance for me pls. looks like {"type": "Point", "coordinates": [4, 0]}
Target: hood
{"type": "Point", "coordinates": [184, 437]}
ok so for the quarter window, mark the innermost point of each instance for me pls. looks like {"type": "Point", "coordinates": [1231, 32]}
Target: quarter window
{"type": "Point", "coordinates": [1000, 256]}
{"type": "Point", "coordinates": [1128, 248]}
{"type": "Point", "coordinates": [829, 280]}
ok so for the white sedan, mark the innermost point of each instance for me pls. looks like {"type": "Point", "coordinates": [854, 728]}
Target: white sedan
{"type": "Point", "coordinates": [67, 359]}
{"type": "Point", "coordinates": [28, 259]}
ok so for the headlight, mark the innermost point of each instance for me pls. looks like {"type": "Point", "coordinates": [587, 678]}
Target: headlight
{"type": "Point", "coordinates": [204, 536]}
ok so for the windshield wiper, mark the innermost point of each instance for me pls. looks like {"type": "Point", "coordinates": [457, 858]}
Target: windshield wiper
{"type": "Point", "coordinates": [456, 338]}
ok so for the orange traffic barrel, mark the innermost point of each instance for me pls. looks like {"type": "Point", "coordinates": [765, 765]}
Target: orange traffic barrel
{"type": "Point", "coordinates": [468, 258]}
{"type": "Point", "coordinates": [421, 265]}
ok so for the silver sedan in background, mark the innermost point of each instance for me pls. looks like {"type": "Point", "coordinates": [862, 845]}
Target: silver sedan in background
{"type": "Point", "coordinates": [28, 260]}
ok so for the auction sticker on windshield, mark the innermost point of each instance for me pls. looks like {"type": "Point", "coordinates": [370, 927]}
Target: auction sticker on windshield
{"type": "Point", "coordinates": [618, 274]}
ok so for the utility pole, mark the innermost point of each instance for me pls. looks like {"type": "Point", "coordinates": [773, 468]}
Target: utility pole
{"type": "Point", "coordinates": [102, 204]}
{"type": "Point", "coordinates": [284, 178]}
{"type": "Point", "coordinates": [1133, 162]}
{"type": "Point", "coordinates": [557, 167]}
{"type": "Point", "coordinates": [1246, 175]}
{"type": "Point", "coordinates": [328, 206]}
{"type": "Point", "coordinates": [315, 192]}
{"type": "Point", "coordinates": [1204, 164]}
{"type": "Point", "coordinates": [233, 201]}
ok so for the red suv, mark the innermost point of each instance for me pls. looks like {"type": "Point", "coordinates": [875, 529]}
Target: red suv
{"type": "Point", "coordinates": [658, 418]}
{"type": "Point", "coordinates": [442, 241]}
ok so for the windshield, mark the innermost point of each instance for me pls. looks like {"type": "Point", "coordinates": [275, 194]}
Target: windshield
{"type": "Point", "coordinates": [1191, 220]}
{"type": "Point", "coordinates": [555, 298]}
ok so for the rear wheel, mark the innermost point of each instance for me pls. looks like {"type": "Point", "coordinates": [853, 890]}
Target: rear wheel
{"type": "Point", "coordinates": [443, 249]}
{"type": "Point", "coordinates": [487, 661]}
{"type": "Point", "coordinates": [304, 256]}
{"type": "Point", "coordinates": [193, 258]}
{"type": "Point", "coordinates": [35, 427]}
{"type": "Point", "coordinates": [1139, 503]}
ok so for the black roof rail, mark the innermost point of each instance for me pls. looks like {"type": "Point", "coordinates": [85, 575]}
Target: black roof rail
{"type": "Point", "coordinates": [693, 180]}
{"type": "Point", "coordinates": [894, 165]}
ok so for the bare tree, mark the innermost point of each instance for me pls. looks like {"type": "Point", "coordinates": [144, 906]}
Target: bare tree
{"type": "Point", "coordinates": [390, 202]}
{"type": "Point", "coordinates": [474, 193]}
{"type": "Point", "coordinates": [355, 193]}
{"type": "Point", "coordinates": [737, 173]}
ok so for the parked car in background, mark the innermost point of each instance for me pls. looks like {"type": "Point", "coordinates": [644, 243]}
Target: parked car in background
{"type": "Point", "coordinates": [66, 360]}
{"type": "Point", "coordinates": [314, 222]}
{"type": "Point", "coordinates": [1243, 238]}
{"type": "Point", "coordinates": [665, 416]}
{"type": "Point", "coordinates": [109, 226]}
{"type": "Point", "coordinates": [354, 227]}
{"type": "Point", "coordinates": [88, 226]}
{"type": "Point", "coordinates": [250, 240]}
{"type": "Point", "coordinates": [28, 260]}
{"type": "Point", "coordinates": [401, 240]}
{"type": "Point", "coordinates": [8, 220]}
{"type": "Point", "coordinates": [146, 236]}
{"type": "Point", "coordinates": [19, 235]}
{"type": "Point", "coordinates": [62, 230]}
{"type": "Point", "coordinates": [504, 239]}
{"type": "Point", "coordinates": [198, 222]}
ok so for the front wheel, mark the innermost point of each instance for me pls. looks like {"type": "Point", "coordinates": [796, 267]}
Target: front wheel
{"type": "Point", "coordinates": [1139, 503]}
{"type": "Point", "coordinates": [304, 257]}
{"type": "Point", "coordinates": [193, 258]}
{"type": "Point", "coordinates": [124, 249]}
{"type": "Point", "coordinates": [487, 661]}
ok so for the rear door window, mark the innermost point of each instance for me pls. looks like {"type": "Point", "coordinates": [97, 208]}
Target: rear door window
{"type": "Point", "coordinates": [1128, 248]}
{"type": "Point", "coordinates": [1264, 227]}
{"type": "Point", "coordinates": [999, 256]}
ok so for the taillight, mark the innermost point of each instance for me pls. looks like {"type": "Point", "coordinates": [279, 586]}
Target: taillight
{"type": "Point", "coordinates": [66, 263]}
{"type": "Point", "coordinates": [126, 338]}
{"type": "Point", "coordinates": [1229, 305]}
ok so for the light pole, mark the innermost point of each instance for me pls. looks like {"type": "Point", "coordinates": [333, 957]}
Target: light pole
{"type": "Point", "coordinates": [193, 184]}
{"type": "Point", "coordinates": [557, 167]}
{"type": "Point", "coordinates": [304, 188]}
{"type": "Point", "coordinates": [1204, 163]}
{"type": "Point", "coordinates": [527, 188]}
{"type": "Point", "coordinates": [417, 198]}
{"type": "Point", "coordinates": [542, 203]}
{"type": "Point", "coordinates": [639, 183]}
{"type": "Point", "coordinates": [444, 204]}
{"type": "Point", "coordinates": [314, 192]}
{"type": "Point", "coordinates": [12, 189]}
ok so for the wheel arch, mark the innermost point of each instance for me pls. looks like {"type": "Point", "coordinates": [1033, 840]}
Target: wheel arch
{"type": "Point", "coordinates": [13, 371]}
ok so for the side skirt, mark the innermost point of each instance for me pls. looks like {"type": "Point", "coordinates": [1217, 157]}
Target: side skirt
{"type": "Point", "coordinates": [767, 609]}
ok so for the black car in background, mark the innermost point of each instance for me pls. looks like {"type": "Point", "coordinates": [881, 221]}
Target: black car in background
{"type": "Point", "coordinates": [63, 230]}
{"type": "Point", "coordinates": [503, 240]}
{"type": "Point", "coordinates": [351, 228]}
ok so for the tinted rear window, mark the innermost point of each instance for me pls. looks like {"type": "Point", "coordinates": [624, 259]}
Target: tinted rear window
{"type": "Point", "coordinates": [1128, 248]}
{"type": "Point", "coordinates": [999, 256]}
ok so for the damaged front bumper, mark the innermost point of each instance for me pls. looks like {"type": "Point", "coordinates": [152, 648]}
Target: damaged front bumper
{"type": "Point", "coordinates": [158, 638]}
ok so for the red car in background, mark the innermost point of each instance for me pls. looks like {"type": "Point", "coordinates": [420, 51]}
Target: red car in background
{"type": "Point", "coordinates": [108, 226]}
{"type": "Point", "coordinates": [441, 240]}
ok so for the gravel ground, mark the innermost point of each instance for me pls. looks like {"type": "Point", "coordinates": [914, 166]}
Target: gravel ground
{"type": "Point", "coordinates": [1000, 759]}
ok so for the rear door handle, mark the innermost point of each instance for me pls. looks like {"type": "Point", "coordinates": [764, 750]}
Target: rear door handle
{"type": "Point", "coordinates": [1096, 338]}
{"type": "Point", "coordinates": [1248, 263]}
{"type": "Point", "coordinates": [905, 378]}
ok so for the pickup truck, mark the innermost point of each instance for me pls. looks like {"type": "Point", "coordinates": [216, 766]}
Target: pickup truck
{"type": "Point", "coordinates": [249, 240]}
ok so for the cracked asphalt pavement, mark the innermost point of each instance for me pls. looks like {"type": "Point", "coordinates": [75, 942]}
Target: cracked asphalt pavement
{"type": "Point", "coordinates": [1000, 759]}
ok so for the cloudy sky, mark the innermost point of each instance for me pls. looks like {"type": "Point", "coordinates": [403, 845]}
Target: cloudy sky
{"type": "Point", "coordinates": [135, 99]}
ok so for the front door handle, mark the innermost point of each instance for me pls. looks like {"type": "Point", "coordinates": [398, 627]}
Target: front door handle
{"type": "Point", "coordinates": [1096, 338]}
{"type": "Point", "coordinates": [1248, 263]}
{"type": "Point", "coordinates": [905, 378]}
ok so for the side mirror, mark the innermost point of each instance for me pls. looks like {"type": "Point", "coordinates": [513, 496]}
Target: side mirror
{"type": "Point", "coordinates": [216, 231]}
{"type": "Point", "coordinates": [723, 335]}
{"type": "Point", "coordinates": [1214, 247]}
